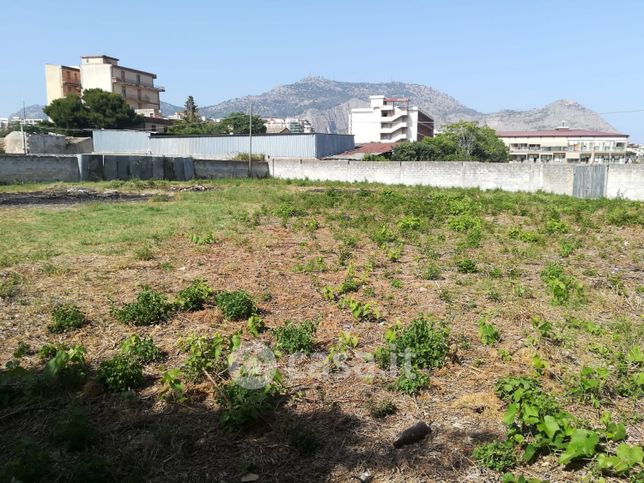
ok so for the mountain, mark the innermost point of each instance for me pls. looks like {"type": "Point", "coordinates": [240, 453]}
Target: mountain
{"type": "Point", "coordinates": [168, 109]}
{"type": "Point", "coordinates": [34, 111]}
{"type": "Point", "coordinates": [327, 104]}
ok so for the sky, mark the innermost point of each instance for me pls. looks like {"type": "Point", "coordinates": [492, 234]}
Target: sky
{"type": "Point", "coordinates": [489, 55]}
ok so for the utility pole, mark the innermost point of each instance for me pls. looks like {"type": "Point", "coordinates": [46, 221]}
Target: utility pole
{"type": "Point", "coordinates": [22, 130]}
{"type": "Point", "coordinates": [250, 141]}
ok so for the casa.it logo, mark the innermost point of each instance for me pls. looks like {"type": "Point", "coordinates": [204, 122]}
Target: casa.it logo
{"type": "Point", "coordinates": [252, 365]}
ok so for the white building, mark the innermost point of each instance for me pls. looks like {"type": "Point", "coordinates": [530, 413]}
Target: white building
{"type": "Point", "coordinates": [565, 145]}
{"type": "Point", "coordinates": [389, 120]}
{"type": "Point", "coordinates": [288, 125]}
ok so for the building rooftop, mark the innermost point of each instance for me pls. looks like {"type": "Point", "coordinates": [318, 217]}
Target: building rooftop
{"type": "Point", "coordinates": [559, 133]}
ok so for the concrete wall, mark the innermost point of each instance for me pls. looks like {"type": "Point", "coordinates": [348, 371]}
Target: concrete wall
{"type": "Point", "coordinates": [208, 169]}
{"type": "Point", "coordinates": [46, 144]}
{"type": "Point", "coordinates": [623, 180]}
{"type": "Point", "coordinates": [18, 168]}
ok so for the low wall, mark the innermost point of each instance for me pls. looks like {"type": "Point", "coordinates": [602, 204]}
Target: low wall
{"type": "Point", "coordinates": [208, 168]}
{"type": "Point", "coordinates": [20, 168]}
{"type": "Point", "coordinates": [625, 181]}
{"type": "Point", "coordinates": [47, 144]}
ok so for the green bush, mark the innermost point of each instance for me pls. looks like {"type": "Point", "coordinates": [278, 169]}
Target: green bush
{"type": "Point", "coordinates": [66, 317]}
{"type": "Point", "coordinates": [141, 349]}
{"type": "Point", "coordinates": [411, 383]}
{"type": "Point", "coordinates": [241, 407]}
{"type": "Point", "coordinates": [150, 308]}
{"type": "Point", "coordinates": [30, 464]}
{"type": "Point", "coordinates": [194, 297]}
{"type": "Point", "coordinates": [490, 335]}
{"type": "Point", "coordinates": [296, 337]}
{"type": "Point", "coordinates": [424, 341]}
{"type": "Point", "coordinates": [66, 369]}
{"type": "Point", "coordinates": [498, 456]}
{"type": "Point", "coordinates": [564, 289]}
{"type": "Point", "coordinates": [120, 373]}
{"type": "Point", "coordinates": [464, 222]}
{"type": "Point", "coordinates": [236, 305]}
{"type": "Point", "coordinates": [204, 354]}
{"type": "Point", "coordinates": [73, 430]}
{"type": "Point", "coordinates": [466, 266]}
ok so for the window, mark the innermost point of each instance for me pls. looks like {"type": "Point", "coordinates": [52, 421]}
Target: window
{"type": "Point", "coordinates": [123, 91]}
{"type": "Point", "coordinates": [123, 75]}
{"type": "Point", "coordinates": [138, 78]}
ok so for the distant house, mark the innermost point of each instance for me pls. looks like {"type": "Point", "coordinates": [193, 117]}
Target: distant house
{"type": "Point", "coordinates": [390, 120]}
{"type": "Point", "coordinates": [563, 144]}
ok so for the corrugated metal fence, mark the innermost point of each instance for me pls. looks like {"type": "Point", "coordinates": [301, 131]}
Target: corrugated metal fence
{"type": "Point", "coordinates": [315, 145]}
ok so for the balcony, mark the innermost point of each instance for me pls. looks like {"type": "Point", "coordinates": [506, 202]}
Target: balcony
{"type": "Point", "coordinates": [134, 83]}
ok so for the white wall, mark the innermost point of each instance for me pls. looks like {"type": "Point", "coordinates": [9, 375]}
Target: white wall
{"type": "Point", "coordinates": [96, 76]}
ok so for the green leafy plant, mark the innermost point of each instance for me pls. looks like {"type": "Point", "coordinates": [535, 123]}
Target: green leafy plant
{"type": "Point", "coordinates": [590, 385]}
{"type": "Point", "coordinates": [563, 288]}
{"type": "Point", "coordinates": [73, 430]}
{"type": "Point", "coordinates": [409, 223]}
{"type": "Point", "coordinates": [22, 350]}
{"type": "Point", "coordinates": [498, 455]}
{"type": "Point", "coordinates": [173, 387]}
{"type": "Point", "coordinates": [204, 354]}
{"type": "Point", "coordinates": [430, 271]}
{"type": "Point", "coordinates": [293, 337]}
{"type": "Point", "coordinates": [466, 266]}
{"type": "Point", "coordinates": [30, 463]}
{"type": "Point", "coordinates": [142, 349]}
{"type": "Point", "coordinates": [236, 305]}
{"type": "Point", "coordinates": [410, 382]}
{"type": "Point", "coordinates": [66, 369]}
{"type": "Point", "coordinates": [316, 264]}
{"type": "Point", "coordinates": [194, 297]}
{"type": "Point", "coordinates": [489, 334]}
{"type": "Point", "coordinates": [150, 308]}
{"type": "Point", "coordinates": [255, 325]}
{"type": "Point", "coordinates": [66, 317]}
{"type": "Point", "coordinates": [241, 407]}
{"type": "Point", "coordinates": [626, 457]}
{"type": "Point", "coordinates": [361, 311]}
{"type": "Point", "coordinates": [464, 222]}
{"type": "Point", "coordinates": [382, 408]}
{"type": "Point", "coordinates": [197, 239]}
{"type": "Point", "coordinates": [10, 285]}
{"type": "Point", "coordinates": [120, 373]}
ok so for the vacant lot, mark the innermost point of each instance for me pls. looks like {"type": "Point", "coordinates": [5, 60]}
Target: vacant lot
{"type": "Point", "coordinates": [510, 323]}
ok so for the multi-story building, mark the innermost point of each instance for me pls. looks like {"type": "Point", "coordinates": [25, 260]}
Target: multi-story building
{"type": "Point", "coordinates": [61, 80]}
{"type": "Point", "coordinates": [563, 144]}
{"type": "Point", "coordinates": [288, 125]}
{"type": "Point", "coordinates": [104, 72]}
{"type": "Point", "coordinates": [389, 120]}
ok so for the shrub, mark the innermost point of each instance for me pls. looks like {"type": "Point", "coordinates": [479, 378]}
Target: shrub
{"type": "Point", "coordinates": [204, 354]}
{"type": "Point", "coordinates": [236, 305]}
{"type": "Point", "coordinates": [67, 368]}
{"type": "Point", "coordinates": [141, 349]}
{"type": "Point", "coordinates": [194, 297]}
{"type": "Point", "coordinates": [241, 407]}
{"type": "Point", "coordinates": [498, 456]}
{"type": "Point", "coordinates": [66, 317]}
{"type": "Point", "coordinates": [73, 430]}
{"type": "Point", "coordinates": [31, 463]}
{"type": "Point", "coordinates": [424, 342]}
{"type": "Point", "coordinates": [563, 288]}
{"type": "Point", "coordinates": [150, 308]}
{"type": "Point", "coordinates": [410, 382]}
{"type": "Point", "coordinates": [296, 337]}
{"type": "Point", "coordinates": [382, 409]}
{"type": "Point", "coordinates": [466, 266]}
{"type": "Point", "coordinates": [120, 373]}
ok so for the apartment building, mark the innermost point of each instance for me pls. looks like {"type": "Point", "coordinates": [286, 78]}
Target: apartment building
{"type": "Point", "coordinates": [565, 145]}
{"type": "Point", "coordinates": [390, 120]}
{"type": "Point", "coordinates": [275, 125]}
{"type": "Point", "coordinates": [61, 80]}
{"type": "Point", "coordinates": [104, 72]}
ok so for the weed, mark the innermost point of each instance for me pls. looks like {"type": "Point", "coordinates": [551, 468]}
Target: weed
{"type": "Point", "coordinates": [625, 458]}
{"type": "Point", "coordinates": [431, 271]}
{"type": "Point", "coordinates": [423, 344]}
{"type": "Point", "coordinates": [142, 349]}
{"type": "Point", "coordinates": [73, 430]}
{"type": "Point", "coordinates": [293, 337]}
{"type": "Point", "coordinates": [410, 382]}
{"type": "Point", "coordinates": [303, 439]}
{"type": "Point", "coordinates": [522, 291]}
{"type": "Point", "coordinates": [567, 247]}
{"type": "Point", "coordinates": [527, 236]}
{"type": "Point", "coordinates": [144, 253]}
{"type": "Point", "coordinates": [204, 354]}
{"type": "Point", "coordinates": [495, 273]}
{"type": "Point", "coordinates": [241, 407]}
{"type": "Point", "coordinates": [207, 239]}
{"type": "Point", "coordinates": [47, 351]}
{"type": "Point", "coordinates": [382, 409]}
{"type": "Point", "coordinates": [30, 464]}
{"type": "Point", "coordinates": [22, 350]}
{"type": "Point", "coordinates": [195, 297]}
{"type": "Point", "coordinates": [383, 235]}
{"type": "Point", "coordinates": [493, 295]}
{"type": "Point", "coordinates": [66, 317]}
{"type": "Point", "coordinates": [564, 289]}
{"type": "Point", "coordinates": [236, 305]}
{"type": "Point", "coordinates": [504, 355]}
{"type": "Point", "coordinates": [10, 285]}
{"type": "Point", "coordinates": [394, 254]}
{"type": "Point", "coordinates": [120, 373]}
{"type": "Point", "coordinates": [173, 388]}
{"type": "Point", "coordinates": [66, 369]}
{"type": "Point", "coordinates": [361, 311]}
{"type": "Point", "coordinates": [150, 308]}
{"type": "Point", "coordinates": [311, 225]}
{"type": "Point", "coordinates": [464, 222]}
{"type": "Point", "coordinates": [255, 325]}
{"type": "Point", "coordinates": [313, 265]}
{"type": "Point", "coordinates": [466, 266]}
{"type": "Point", "coordinates": [445, 295]}
{"type": "Point", "coordinates": [498, 456]}
{"type": "Point", "coordinates": [489, 334]}
{"type": "Point", "coordinates": [395, 283]}
{"type": "Point", "coordinates": [590, 385]}
{"type": "Point", "coordinates": [556, 226]}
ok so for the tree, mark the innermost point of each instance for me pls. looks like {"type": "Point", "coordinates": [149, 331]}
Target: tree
{"type": "Point", "coordinates": [462, 141]}
{"type": "Point", "coordinates": [96, 109]}
{"type": "Point", "coordinates": [68, 112]}
{"type": "Point", "coordinates": [190, 114]}
{"type": "Point", "coordinates": [238, 123]}
{"type": "Point", "coordinates": [108, 110]}
{"type": "Point", "coordinates": [187, 128]}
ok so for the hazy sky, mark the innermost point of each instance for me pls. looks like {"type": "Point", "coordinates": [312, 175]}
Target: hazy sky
{"type": "Point", "coordinates": [489, 55]}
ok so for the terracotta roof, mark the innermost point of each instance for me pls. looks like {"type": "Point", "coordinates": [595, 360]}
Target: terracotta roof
{"type": "Point", "coordinates": [372, 148]}
{"type": "Point", "coordinates": [558, 133]}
